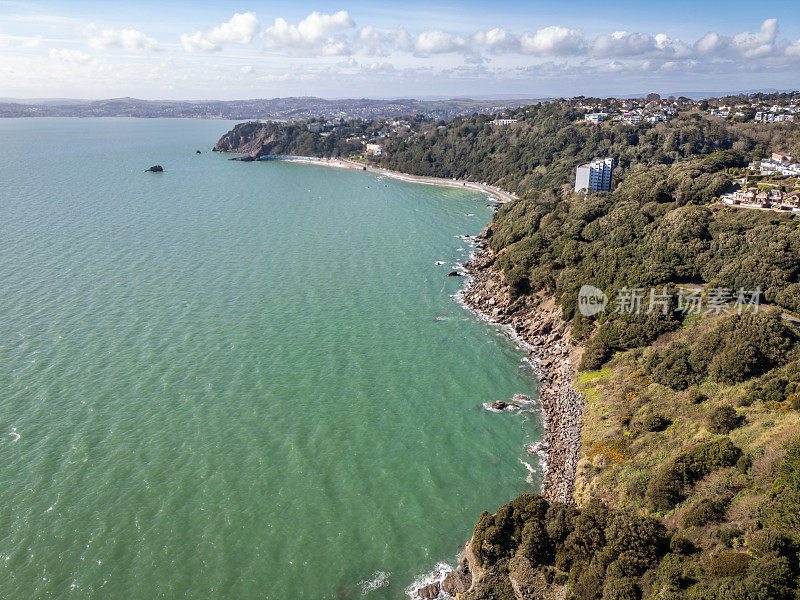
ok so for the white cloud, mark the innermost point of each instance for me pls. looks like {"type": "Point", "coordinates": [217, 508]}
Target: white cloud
{"type": "Point", "coordinates": [710, 43]}
{"type": "Point", "coordinates": [378, 43]}
{"type": "Point", "coordinates": [436, 41]}
{"type": "Point", "coordinates": [499, 41]}
{"type": "Point", "coordinates": [759, 43]}
{"type": "Point", "coordinates": [241, 29]}
{"type": "Point", "coordinates": [127, 39]}
{"type": "Point", "coordinates": [793, 49]}
{"type": "Point", "coordinates": [672, 48]}
{"type": "Point", "coordinates": [69, 56]}
{"type": "Point", "coordinates": [197, 42]}
{"type": "Point", "coordinates": [552, 40]}
{"type": "Point", "coordinates": [317, 33]}
{"type": "Point", "coordinates": [613, 67]}
{"type": "Point", "coordinates": [375, 68]}
{"type": "Point", "coordinates": [623, 43]}
{"type": "Point", "coordinates": [32, 42]}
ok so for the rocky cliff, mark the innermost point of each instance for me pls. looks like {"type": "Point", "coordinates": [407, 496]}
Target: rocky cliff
{"type": "Point", "coordinates": [246, 138]}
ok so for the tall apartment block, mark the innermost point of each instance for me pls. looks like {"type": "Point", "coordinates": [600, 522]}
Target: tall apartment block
{"type": "Point", "coordinates": [594, 176]}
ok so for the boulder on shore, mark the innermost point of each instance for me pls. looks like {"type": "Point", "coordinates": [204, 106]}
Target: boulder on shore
{"type": "Point", "coordinates": [155, 169]}
{"type": "Point", "coordinates": [454, 274]}
{"type": "Point", "coordinates": [502, 405]}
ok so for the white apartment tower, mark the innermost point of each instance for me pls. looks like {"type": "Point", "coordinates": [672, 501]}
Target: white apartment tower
{"type": "Point", "coordinates": [595, 176]}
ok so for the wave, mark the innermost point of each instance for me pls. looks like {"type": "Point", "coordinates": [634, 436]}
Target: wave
{"type": "Point", "coordinates": [531, 471]}
{"type": "Point", "coordinates": [379, 579]}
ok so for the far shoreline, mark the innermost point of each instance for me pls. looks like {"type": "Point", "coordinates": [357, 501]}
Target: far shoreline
{"type": "Point", "coordinates": [498, 194]}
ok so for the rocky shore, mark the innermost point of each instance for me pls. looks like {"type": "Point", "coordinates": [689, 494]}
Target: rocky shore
{"type": "Point", "coordinates": [537, 321]}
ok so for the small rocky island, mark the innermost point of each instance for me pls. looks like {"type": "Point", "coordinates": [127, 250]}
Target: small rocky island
{"type": "Point", "coordinates": [155, 169]}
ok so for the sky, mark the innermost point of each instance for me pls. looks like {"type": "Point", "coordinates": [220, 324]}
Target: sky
{"type": "Point", "coordinates": [221, 50]}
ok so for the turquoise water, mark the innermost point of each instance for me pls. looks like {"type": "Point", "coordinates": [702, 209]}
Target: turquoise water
{"type": "Point", "coordinates": [228, 380]}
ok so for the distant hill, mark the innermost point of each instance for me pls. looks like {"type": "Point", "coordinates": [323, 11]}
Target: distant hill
{"type": "Point", "coordinates": [279, 109]}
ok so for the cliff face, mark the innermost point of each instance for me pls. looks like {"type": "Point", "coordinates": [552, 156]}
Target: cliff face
{"type": "Point", "coordinates": [246, 138]}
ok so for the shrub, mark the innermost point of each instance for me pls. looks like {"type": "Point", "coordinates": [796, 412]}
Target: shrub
{"type": "Point", "coordinates": [729, 564]}
{"type": "Point", "coordinates": [620, 588]}
{"type": "Point", "coordinates": [751, 345]}
{"type": "Point", "coordinates": [766, 541]}
{"type": "Point", "coordinates": [784, 512]}
{"type": "Point", "coordinates": [672, 368]}
{"type": "Point", "coordinates": [595, 355]}
{"type": "Point", "coordinates": [653, 423]}
{"type": "Point", "coordinates": [666, 488]}
{"type": "Point", "coordinates": [518, 282]}
{"type": "Point", "coordinates": [703, 512]}
{"type": "Point", "coordinates": [729, 535]}
{"type": "Point", "coordinates": [696, 396]}
{"type": "Point", "coordinates": [780, 388]}
{"type": "Point", "coordinates": [493, 586]}
{"type": "Point", "coordinates": [722, 420]}
{"type": "Point", "coordinates": [680, 545]}
{"type": "Point", "coordinates": [582, 327]}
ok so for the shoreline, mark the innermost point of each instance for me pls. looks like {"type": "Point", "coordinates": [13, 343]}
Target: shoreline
{"type": "Point", "coordinates": [537, 322]}
{"type": "Point", "coordinates": [342, 163]}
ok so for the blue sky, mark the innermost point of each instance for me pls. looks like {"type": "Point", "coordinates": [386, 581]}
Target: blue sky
{"type": "Point", "coordinates": [227, 50]}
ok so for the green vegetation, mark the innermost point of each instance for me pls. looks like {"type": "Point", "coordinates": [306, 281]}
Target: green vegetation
{"type": "Point", "coordinates": [689, 422]}
{"type": "Point", "coordinates": [598, 553]}
{"type": "Point", "coordinates": [541, 150]}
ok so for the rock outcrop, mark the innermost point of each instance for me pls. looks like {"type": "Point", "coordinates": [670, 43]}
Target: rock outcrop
{"type": "Point", "coordinates": [155, 169]}
{"type": "Point", "coordinates": [246, 138]}
{"type": "Point", "coordinates": [502, 405]}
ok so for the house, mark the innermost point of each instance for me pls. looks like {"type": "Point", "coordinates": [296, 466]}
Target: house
{"type": "Point", "coordinates": [595, 117]}
{"type": "Point", "coordinates": [374, 149]}
{"type": "Point", "coordinates": [776, 196]}
{"type": "Point", "coordinates": [503, 121]}
{"type": "Point", "coordinates": [762, 198]}
{"type": "Point", "coordinates": [781, 157]}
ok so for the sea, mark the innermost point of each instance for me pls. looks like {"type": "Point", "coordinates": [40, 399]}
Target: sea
{"type": "Point", "coordinates": [238, 380]}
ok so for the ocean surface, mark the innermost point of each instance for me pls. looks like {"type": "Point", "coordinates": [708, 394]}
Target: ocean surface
{"type": "Point", "coordinates": [237, 380]}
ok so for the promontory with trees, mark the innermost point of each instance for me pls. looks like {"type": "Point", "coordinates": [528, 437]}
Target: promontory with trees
{"type": "Point", "coordinates": [688, 478]}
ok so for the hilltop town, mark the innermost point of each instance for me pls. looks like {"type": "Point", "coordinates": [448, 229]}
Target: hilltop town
{"type": "Point", "coordinates": [277, 109]}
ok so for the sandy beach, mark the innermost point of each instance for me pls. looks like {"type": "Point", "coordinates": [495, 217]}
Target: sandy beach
{"type": "Point", "coordinates": [495, 192]}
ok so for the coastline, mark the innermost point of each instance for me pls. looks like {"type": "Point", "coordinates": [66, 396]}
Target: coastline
{"type": "Point", "coordinates": [537, 322]}
{"type": "Point", "coordinates": [343, 163]}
